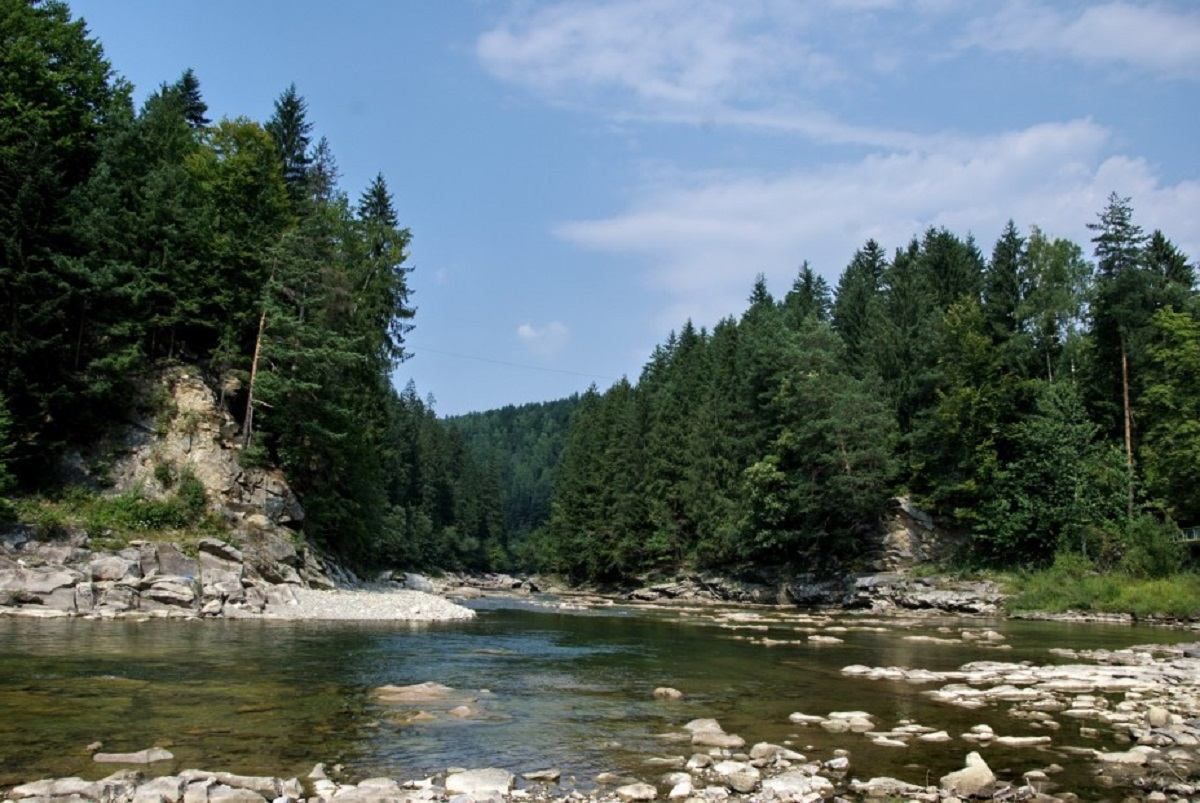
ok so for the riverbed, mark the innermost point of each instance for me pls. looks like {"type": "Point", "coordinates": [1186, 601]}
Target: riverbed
{"type": "Point", "coordinates": [541, 687]}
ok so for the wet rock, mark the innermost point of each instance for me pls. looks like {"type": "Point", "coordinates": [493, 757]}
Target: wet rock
{"type": "Point", "coordinates": [416, 693]}
{"type": "Point", "coordinates": [477, 783]}
{"type": "Point", "coordinates": [668, 693]}
{"type": "Point", "coordinates": [547, 776]}
{"type": "Point", "coordinates": [147, 756]}
{"type": "Point", "coordinates": [737, 775]}
{"type": "Point", "coordinates": [797, 785]}
{"type": "Point", "coordinates": [721, 739]}
{"type": "Point", "coordinates": [975, 779]}
{"type": "Point", "coordinates": [636, 791]}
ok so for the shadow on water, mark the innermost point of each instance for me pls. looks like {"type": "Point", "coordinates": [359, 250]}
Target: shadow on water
{"type": "Point", "coordinates": [544, 688]}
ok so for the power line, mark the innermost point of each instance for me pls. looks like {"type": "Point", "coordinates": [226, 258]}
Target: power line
{"type": "Point", "coordinates": [417, 351]}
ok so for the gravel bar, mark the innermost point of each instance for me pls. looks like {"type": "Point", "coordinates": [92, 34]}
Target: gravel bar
{"type": "Point", "coordinates": [370, 604]}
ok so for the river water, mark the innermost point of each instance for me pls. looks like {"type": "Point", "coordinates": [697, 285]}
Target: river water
{"type": "Point", "coordinates": [550, 688]}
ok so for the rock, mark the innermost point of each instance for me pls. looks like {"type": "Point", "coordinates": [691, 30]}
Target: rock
{"type": "Point", "coordinates": [174, 591]}
{"type": "Point", "coordinates": [1158, 717]}
{"type": "Point", "coordinates": [111, 567]}
{"type": "Point", "coordinates": [681, 791]}
{"type": "Point", "coordinates": [147, 756]}
{"type": "Point", "coordinates": [168, 788]}
{"type": "Point", "coordinates": [548, 776]}
{"type": "Point", "coordinates": [219, 793]}
{"type": "Point", "coordinates": [825, 640]}
{"type": "Point", "coordinates": [418, 582]}
{"type": "Point", "coordinates": [737, 775]}
{"type": "Point", "coordinates": [667, 693]}
{"type": "Point", "coordinates": [416, 693]}
{"type": "Point", "coordinates": [699, 761]}
{"type": "Point", "coordinates": [703, 725]}
{"type": "Point", "coordinates": [728, 741]}
{"type": "Point", "coordinates": [479, 783]}
{"type": "Point", "coordinates": [57, 787]}
{"type": "Point", "coordinates": [936, 736]}
{"type": "Point", "coordinates": [1022, 741]}
{"type": "Point", "coordinates": [975, 779]}
{"type": "Point", "coordinates": [636, 791]}
{"type": "Point", "coordinates": [1129, 757]}
{"type": "Point", "coordinates": [797, 785]}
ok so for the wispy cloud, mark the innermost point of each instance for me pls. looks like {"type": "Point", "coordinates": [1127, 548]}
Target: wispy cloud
{"type": "Point", "coordinates": [754, 64]}
{"type": "Point", "coordinates": [544, 341]}
{"type": "Point", "coordinates": [702, 242]}
{"type": "Point", "coordinates": [1147, 37]}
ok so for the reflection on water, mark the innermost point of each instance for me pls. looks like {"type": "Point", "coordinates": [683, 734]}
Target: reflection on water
{"type": "Point", "coordinates": [544, 689]}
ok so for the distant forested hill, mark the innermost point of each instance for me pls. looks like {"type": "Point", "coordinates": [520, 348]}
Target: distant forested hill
{"type": "Point", "coordinates": [522, 445]}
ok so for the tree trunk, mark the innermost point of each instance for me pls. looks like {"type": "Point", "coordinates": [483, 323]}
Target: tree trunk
{"type": "Point", "coordinates": [1128, 424]}
{"type": "Point", "coordinates": [248, 421]}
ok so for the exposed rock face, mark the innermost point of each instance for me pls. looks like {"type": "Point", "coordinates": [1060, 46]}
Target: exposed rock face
{"type": "Point", "coordinates": [153, 578]}
{"type": "Point", "coordinates": [194, 432]}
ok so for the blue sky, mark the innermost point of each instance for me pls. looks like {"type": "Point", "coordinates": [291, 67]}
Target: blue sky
{"type": "Point", "coordinates": [580, 176]}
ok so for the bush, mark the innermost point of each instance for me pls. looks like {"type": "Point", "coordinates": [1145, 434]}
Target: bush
{"type": "Point", "coordinates": [1150, 549]}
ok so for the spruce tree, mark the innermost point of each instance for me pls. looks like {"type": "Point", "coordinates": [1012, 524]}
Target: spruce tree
{"type": "Point", "coordinates": [290, 128]}
{"type": "Point", "coordinates": [194, 107]}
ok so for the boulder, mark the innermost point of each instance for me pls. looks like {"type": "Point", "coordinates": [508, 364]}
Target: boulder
{"type": "Point", "coordinates": [169, 788]}
{"type": "Point", "coordinates": [636, 791]}
{"type": "Point", "coordinates": [737, 775]}
{"type": "Point", "coordinates": [797, 785]}
{"type": "Point", "coordinates": [172, 591]}
{"type": "Point", "coordinates": [418, 582]}
{"type": "Point", "coordinates": [113, 567]}
{"type": "Point", "coordinates": [668, 693]}
{"type": "Point", "coordinates": [170, 561]}
{"type": "Point", "coordinates": [480, 783]}
{"type": "Point", "coordinates": [975, 779]}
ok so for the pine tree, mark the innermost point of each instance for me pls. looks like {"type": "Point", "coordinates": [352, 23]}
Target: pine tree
{"type": "Point", "coordinates": [809, 298]}
{"type": "Point", "coordinates": [857, 304]}
{"type": "Point", "coordinates": [290, 128]}
{"type": "Point", "coordinates": [1004, 285]}
{"type": "Point", "coordinates": [194, 107]}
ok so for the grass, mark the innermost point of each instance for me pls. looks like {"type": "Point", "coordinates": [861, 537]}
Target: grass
{"type": "Point", "coordinates": [112, 521]}
{"type": "Point", "coordinates": [1061, 588]}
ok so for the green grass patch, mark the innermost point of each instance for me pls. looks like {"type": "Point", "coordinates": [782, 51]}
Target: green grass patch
{"type": "Point", "coordinates": [112, 521]}
{"type": "Point", "coordinates": [1074, 585]}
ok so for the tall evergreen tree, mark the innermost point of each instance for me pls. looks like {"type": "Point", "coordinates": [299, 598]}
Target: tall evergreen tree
{"type": "Point", "coordinates": [187, 89]}
{"type": "Point", "coordinates": [857, 304]}
{"type": "Point", "coordinates": [290, 128]}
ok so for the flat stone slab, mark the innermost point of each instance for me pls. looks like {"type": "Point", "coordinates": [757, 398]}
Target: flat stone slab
{"type": "Point", "coordinates": [147, 756]}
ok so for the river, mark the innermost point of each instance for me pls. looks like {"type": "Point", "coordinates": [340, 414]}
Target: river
{"type": "Point", "coordinates": [551, 688]}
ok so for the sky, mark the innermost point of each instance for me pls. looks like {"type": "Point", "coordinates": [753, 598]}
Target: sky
{"type": "Point", "coordinates": [581, 177]}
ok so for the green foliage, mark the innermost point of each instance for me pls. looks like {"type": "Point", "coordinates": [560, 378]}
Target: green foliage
{"type": "Point", "coordinates": [1150, 549]}
{"type": "Point", "coordinates": [1072, 583]}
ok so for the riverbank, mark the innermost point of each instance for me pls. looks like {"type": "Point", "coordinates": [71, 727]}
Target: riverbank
{"type": "Point", "coordinates": [1145, 697]}
{"type": "Point", "coordinates": [267, 576]}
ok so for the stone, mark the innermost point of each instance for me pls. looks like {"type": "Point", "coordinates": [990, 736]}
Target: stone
{"type": "Point", "coordinates": [936, 736]}
{"type": "Point", "coordinates": [797, 785]}
{"type": "Point", "coordinates": [111, 567]}
{"type": "Point", "coordinates": [547, 776]}
{"type": "Point", "coordinates": [219, 793]}
{"type": "Point", "coordinates": [169, 788]}
{"type": "Point", "coordinates": [636, 791]}
{"type": "Point", "coordinates": [175, 591]}
{"type": "Point", "coordinates": [976, 778]}
{"type": "Point", "coordinates": [416, 693]}
{"type": "Point", "coordinates": [668, 693]}
{"type": "Point", "coordinates": [478, 783]}
{"type": "Point", "coordinates": [148, 756]}
{"type": "Point", "coordinates": [681, 791]}
{"type": "Point", "coordinates": [737, 775]}
{"type": "Point", "coordinates": [418, 582]}
{"type": "Point", "coordinates": [1128, 757]}
{"type": "Point", "coordinates": [172, 562]}
{"type": "Point", "coordinates": [721, 739]}
{"type": "Point", "coordinates": [1158, 717]}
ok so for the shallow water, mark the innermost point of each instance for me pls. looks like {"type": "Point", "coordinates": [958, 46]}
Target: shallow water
{"type": "Point", "coordinates": [564, 689]}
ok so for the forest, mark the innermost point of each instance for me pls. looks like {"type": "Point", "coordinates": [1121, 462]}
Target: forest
{"type": "Point", "coordinates": [131, 238]}
{"type": "Point", "coordinates": [1042, 400]}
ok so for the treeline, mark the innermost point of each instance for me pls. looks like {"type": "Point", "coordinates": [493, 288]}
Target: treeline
{"type": "Point", "coordinates": [131, 236]}
{"type": "Point", "coordinates": [522, 446]}
{"type": "Point", "coordinates": [1037, 402]}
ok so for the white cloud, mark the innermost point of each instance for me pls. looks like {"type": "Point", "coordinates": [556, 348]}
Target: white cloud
{"type": "Point", "coordinates": [544, 341]}
{"type": "Point", "coordinates": [1148, 37]}
{"type": "Point", "coordinates": [702, 242]}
